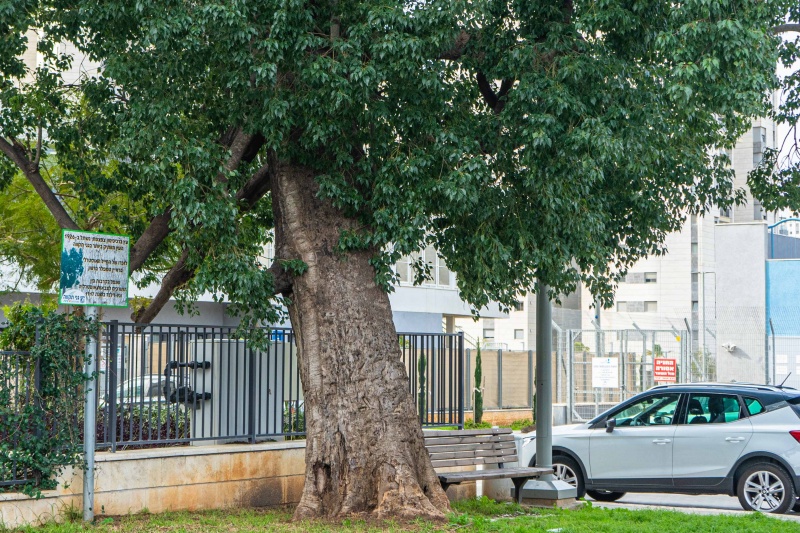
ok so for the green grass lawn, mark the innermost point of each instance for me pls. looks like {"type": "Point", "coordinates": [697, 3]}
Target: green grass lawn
{"type": "Point", "coordinates": [475, 515]}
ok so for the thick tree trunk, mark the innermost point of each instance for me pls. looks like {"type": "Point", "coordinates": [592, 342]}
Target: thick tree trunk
{"type": "Point", "coordinates": [364, 448]}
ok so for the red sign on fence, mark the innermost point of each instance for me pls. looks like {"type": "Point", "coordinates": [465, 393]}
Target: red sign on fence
{"type": "Point", "coordinates": [665, 370]}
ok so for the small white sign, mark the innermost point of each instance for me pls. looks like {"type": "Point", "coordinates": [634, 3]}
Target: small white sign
{"type": "Point", "coordinates": [94, 269]}
{"type": "Point", "coordinates": [605, 372]}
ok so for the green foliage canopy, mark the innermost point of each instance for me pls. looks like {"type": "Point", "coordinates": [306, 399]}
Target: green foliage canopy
{"type": "Point", "coordinates": [777, 178]}
{"type": "Point", "coordinates": [521, 138]}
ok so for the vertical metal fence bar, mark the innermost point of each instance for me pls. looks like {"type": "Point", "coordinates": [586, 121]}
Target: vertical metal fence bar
{"type": "Point", "coordinates": [570, 375]}
{"type": "Point", "coordinates": [111, 368]}
{"type": "Point", "coordinates": [531, 378]}
{"type": "Point", "coordinates": [499, 378]}
{"type": "Point", "coordinates": [461, 380]}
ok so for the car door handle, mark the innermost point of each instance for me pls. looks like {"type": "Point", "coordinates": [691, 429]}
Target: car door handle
{"type": "Point", "coordinates": [734, 439]}
{"type": "Point", "coordinates": [662, 441]}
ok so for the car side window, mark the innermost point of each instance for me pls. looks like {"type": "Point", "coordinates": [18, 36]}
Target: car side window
{"type": "Point", "coordinates": [713, 409]}
{"type": "Point", "coordinates": [655, 410]}
{"type": "Point", "coordinates": [754, 407]}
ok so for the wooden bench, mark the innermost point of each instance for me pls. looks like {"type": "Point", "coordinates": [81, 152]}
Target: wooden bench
{"type": "Point", "coordinates": [470, 447]}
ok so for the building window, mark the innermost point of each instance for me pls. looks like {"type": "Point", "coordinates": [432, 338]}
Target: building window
{"type": "Point", "coordinates": [403, 267]}
{"type": "Point", "coordinates": [694, 277]}
{"type": "Point", "coordinates": [488, 334]}
{"type": "Point", "coordinates": [695, 306]}
{"type": "Point", "coordinates": [694, 249]}
{"type": "Point", "coordinates": [441, 276]}
{"type": "Point", "coordinates": [519, 334]}
{"type": "Point", "coordinates": [651, 307]}
{"type": "Point", "coordinates": [622, 307]}
{"type": "Point", "coordinates": [650, 277]}
{"type": "Point", "coordinates": [519, 305]}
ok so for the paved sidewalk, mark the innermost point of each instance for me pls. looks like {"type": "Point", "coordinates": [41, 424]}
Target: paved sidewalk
{"type": "Point", "coordinates": [695, 504]}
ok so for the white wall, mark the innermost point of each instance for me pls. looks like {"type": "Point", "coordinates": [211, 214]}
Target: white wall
{"type": "Point", "coordinates": [741, 301]}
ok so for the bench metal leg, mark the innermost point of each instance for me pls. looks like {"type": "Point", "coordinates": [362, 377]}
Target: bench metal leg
{"type": "Point", "coordinates": [519, 482]}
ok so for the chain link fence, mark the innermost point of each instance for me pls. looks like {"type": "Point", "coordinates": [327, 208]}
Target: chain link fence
{"type": "Point", "coordinates": [732, 345]}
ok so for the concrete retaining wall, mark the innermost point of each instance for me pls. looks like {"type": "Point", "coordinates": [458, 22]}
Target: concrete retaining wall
{"type": "Point", "coordinates": [172, 479]}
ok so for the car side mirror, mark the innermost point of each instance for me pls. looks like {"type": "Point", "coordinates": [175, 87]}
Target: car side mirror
{"type": "Point", "coordinates": [611, 423]}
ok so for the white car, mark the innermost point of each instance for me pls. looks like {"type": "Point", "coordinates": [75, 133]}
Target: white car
{"type": "Point", "coordinates": [705, 438]}
{"type": "Point", "coordinates": [142, 390]}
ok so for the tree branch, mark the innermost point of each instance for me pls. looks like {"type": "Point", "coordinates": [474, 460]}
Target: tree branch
{"type": "Point", "coordinates": [180, 274]}
{"type": "Point", "coordinates": [16, 153]}
{"type": "Point", "coordinates": [282, 279]}
{"type": "Point", "coordinates": [786, 28]}
{"type": "Point", "coordinates": [243, 147]}
{"type": "Point", "coordinates": [238, 147]}
{"type": "Point", "coordinates": [38, 147]}
{"type": "Point", "coordinates": [486, 90]}
{"type": "Point", "coordinates": [177, 276]}
{"type": "Point", "coordinates": [457, 50]}
{"type": "Point", "coordinates": [255, 188]}
{"type": "Point", "coordinates": [154, 235]}
{"type": "Point", "coordinates": [505, 87]}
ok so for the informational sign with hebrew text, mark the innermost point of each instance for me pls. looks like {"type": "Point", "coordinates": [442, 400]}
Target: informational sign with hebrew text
{"type": "Point", "coordinates": [94, 269]}
{"type": "Point", "coordinates": [665, 370]}
{"type": "Point", "coordinates": [605, 372]}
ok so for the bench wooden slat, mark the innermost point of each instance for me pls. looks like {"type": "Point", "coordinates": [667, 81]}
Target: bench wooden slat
{"type": "Point", "coordinates": [474, 461]}
{"type": "Point", "coordinates": [498, 473]}
{"type": "Point", "coordinates": [462, 432]}
{"type": "Point", "coordinates": [467, 440]}
{"type": "Point", "coordinates": [435, 456]}
{"type": "Point", "coordinates": [476, 446]}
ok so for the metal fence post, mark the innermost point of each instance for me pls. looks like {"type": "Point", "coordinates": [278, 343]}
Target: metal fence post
{"type": "Point", "coordinates": [570, 375]}
{"type": "Point", "coordinates": [468, 378]}
{"type": "Point", "coordinates": [500, 378]}
{"type": "Point", "coordinates": [251, 397]}
{"type": "Point", "coordinates": [37, 398]}
{"type": "Point", "coordinates": [766, 355]}
{"type": "Point", "coordinates": [461, 380]}
{"type": "Point", "coordinates": [688, 353]}
{"type": "Point", "coordinates": [623, 347]}
{"type": "Point", "coordinates": [90, 417]}
{"type": "Point", "coordinates": [112, 384]}
{"type": "Point", "coordinates": [530, 377]}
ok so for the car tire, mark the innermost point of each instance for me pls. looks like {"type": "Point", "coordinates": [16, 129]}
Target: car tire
{"type": "Point", "coordinates": [568, 470]}
{"type": "Point", "coordinates": [605, 495]}
{"type": "Point", "coordinates": [766, 488]}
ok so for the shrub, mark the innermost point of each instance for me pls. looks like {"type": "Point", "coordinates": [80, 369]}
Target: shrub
{"type": "Point", "coordinates": [39, 436]}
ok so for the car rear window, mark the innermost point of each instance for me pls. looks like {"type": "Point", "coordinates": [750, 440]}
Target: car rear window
{"type": "Point", "coordinates": [795, 404]}
{"type": "Point", "coordinates": [754, 407]}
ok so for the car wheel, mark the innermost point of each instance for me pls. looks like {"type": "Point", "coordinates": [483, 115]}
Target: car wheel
{"type": "Point", "coordinates": [605, 495]}
{"type": "Point", "coordinates": [766, 488]}
{"type": "Point", "coordinates": [568, 470]}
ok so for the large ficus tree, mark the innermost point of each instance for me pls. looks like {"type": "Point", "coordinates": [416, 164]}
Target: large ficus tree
{"type": "Point", "coordinates": [777, 178]}
{"type": "Point", "coordinates": [558, 141]}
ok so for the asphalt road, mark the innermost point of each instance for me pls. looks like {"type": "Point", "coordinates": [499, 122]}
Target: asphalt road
{"type": "Point", "coordinates": [699, 504]}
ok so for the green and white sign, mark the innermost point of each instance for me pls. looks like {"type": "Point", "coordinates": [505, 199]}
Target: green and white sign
{"type": "Point", "coordinates": [94, 269]}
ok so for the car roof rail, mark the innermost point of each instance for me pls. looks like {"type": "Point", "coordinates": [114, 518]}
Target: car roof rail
{"type": "Point", "coordinates": [742, 384]}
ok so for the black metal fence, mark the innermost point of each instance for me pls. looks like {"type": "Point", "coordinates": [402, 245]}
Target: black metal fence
{"type": "Point", "coordinates": [162, 385]}
{"type": "Point", "coordinates": [19, 386]}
